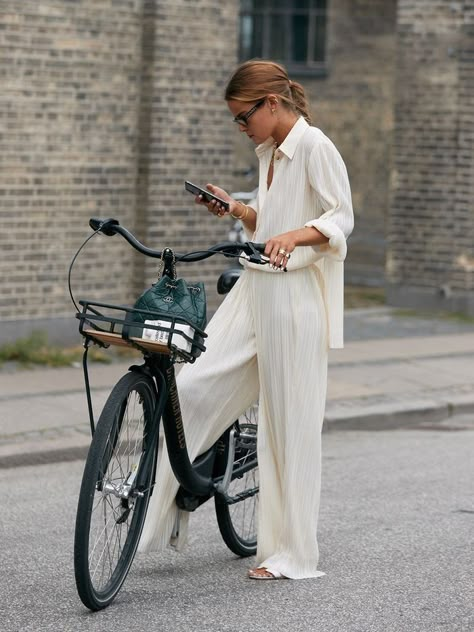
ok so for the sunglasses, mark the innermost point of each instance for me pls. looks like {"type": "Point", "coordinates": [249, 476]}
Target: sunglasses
{"type": "Point", "coordinates": [242, 119]}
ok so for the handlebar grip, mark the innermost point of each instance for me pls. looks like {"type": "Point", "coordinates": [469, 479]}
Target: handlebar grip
{"type": "Point", "coordinates": [259, 247]}
{"type": "Point", "coordinates": [104, 225]}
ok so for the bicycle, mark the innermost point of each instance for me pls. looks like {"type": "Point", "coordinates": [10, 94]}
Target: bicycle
{"type": "Point", "coordinates": [120, 468]}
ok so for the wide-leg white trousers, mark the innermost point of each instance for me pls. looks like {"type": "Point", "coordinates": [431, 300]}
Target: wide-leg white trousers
{"type": "Point", "coordinates": [267, 341]}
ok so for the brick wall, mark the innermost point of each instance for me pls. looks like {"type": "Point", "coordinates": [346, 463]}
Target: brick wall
{"type": "Point", "coordinates": [430, 261]}
{"type": "Point", "coordinates": [106, 107]}
{"type": "Point", "coordinates": [68, 109]}
{"type": "Point", "coordinates": [188, 127]}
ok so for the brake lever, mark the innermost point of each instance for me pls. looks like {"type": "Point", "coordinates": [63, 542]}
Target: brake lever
{"type": "Point", "coordinates": [255, 256]}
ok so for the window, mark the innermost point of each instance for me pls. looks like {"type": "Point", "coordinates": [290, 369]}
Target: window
{"type": "Point", "coordinates": [292, 32]}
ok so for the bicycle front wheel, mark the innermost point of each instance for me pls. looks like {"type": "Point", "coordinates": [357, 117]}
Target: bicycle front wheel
{"type": "Point", "coordinates": [111, 509]}
{"type": "Point", "coordinates": [237, 514]}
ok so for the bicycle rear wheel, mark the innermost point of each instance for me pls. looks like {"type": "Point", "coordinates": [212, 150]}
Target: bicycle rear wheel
{"type": "Point", "coordinates": [111, 509]}
{"type": "Point", "coordinates": [237, 518]}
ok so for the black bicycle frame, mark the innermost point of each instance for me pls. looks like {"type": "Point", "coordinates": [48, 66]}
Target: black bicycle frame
{"type": "Point", "coordinates": [186, 474]}
{"type": "Point", "coordinates": [196, 478]}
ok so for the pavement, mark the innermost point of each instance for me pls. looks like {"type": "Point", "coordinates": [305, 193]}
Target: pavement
{"type": "Point", "coordinates": [397, 369]}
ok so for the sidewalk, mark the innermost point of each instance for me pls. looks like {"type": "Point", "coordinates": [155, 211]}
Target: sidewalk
{"type": "Point", "coordinates": [395, 370]}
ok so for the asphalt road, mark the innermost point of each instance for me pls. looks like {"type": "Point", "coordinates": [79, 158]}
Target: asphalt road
{"type": "Point", "coordinates": [396, 539]}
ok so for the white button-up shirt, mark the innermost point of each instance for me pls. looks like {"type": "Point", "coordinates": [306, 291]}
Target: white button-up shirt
{"type": "Point", "coordinates": [310, 187]}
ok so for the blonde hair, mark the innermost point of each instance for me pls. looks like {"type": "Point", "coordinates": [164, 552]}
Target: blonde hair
{"type": "Point", "coordinates": [256, 78]}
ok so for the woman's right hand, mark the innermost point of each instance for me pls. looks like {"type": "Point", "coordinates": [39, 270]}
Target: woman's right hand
{"type": "Point", "coordinates": [214, 206]}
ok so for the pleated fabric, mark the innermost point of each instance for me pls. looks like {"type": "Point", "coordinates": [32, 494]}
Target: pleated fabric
{"type": "Point", "coordinates": [269, 340]}
{"type": "Point", "coordinates": [281, 320]}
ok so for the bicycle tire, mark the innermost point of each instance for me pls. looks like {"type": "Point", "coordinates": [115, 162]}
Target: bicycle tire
{"type": "Point", "coordinates": [238, 521]}
{"type": "Point", "coordinates": [109, 525]}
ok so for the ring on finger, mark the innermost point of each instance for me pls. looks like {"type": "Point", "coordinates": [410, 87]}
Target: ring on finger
{"type": "Point", "coordinates": [282, 251]}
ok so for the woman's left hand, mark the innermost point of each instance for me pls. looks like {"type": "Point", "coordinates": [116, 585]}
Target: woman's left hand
{"type": "Point", "coordinates": [279, 249]}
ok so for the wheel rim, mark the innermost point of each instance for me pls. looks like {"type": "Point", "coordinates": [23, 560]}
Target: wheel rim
{"type": "Point", "coordinates": [115, 503]}
{"type": "Point", "coordinates": [243, 514]}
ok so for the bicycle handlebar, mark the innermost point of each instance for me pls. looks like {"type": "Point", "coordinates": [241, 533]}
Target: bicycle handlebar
{"type": "Point", "coordinates": [253, 251]}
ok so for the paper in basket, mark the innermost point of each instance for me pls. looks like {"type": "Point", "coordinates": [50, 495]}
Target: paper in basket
{"type": "Point", "coordinates": [162, 337]}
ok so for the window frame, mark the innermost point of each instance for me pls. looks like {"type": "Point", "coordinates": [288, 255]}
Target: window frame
{"type": "Point", "coordinates": [307, 68]}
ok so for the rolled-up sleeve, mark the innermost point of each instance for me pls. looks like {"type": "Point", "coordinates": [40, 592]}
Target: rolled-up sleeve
{"type": "Point", "coordinates": [328, 177]}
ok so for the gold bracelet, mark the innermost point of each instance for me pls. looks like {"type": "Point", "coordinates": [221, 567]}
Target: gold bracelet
{"type": "Point", "coordinates": [244, 215]}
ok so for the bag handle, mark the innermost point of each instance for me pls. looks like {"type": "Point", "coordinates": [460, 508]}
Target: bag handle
{"type": "Point", "coordinates": [167, 264]}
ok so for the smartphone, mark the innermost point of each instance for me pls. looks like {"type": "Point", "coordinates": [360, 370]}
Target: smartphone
{"type": "Point", "coordinates": [207, 195]}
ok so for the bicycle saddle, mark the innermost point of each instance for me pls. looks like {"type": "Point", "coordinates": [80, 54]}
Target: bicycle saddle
{"type": "Point", "coordinates": [228, 279]}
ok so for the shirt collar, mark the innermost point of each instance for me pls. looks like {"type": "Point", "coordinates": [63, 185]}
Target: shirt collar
{"type": "Point", "coordinates": [288, 146]}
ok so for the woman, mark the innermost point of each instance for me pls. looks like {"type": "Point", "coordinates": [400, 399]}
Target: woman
{"type": "Point", "coordinates": [270, 337]}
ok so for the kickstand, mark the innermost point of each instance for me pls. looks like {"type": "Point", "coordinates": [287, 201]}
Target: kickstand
{"type": "Point", "coordinates": [175, 533]}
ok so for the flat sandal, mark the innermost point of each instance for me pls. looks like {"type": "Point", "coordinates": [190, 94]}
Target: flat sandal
{"type": "Point", "coordinates": [264, 574]}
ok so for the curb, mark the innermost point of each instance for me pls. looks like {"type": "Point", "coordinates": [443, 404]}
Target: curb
{"type": "Point", "coordinates": [375, 417]}
{"type": "Point", "coordinates": [44, 457]}
{"type": "Point", "coordinates": [387, 418]}
{"type": "Point", "coordinates": [395, 414]}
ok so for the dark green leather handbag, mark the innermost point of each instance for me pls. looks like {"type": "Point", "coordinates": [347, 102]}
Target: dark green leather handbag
{"type": "Point", "coordinates": [174, 297]}
{"type": "Point", "coordinates": [171, 298]}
